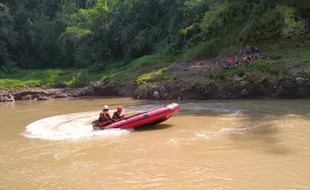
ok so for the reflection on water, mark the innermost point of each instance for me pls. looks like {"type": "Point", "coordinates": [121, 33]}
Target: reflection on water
{"type": "Point", "coordinates": [207, 145]}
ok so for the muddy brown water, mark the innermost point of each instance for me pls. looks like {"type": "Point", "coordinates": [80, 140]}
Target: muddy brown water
{"type": "Point", "coordinates": [253, 144]}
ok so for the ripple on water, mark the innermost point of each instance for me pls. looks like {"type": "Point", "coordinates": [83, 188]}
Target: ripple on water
{"type": "Point", "coordinates": [193, 167]}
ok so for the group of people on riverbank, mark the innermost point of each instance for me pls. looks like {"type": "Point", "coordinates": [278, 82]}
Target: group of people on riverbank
{"type": "Point", "coordinates": [247, 56]}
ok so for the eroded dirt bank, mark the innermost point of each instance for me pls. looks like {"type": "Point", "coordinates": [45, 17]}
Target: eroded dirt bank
{"type": "Point", "coordinates": [197, 80]}
{"type": "Point", "coordinates": [202, 80]}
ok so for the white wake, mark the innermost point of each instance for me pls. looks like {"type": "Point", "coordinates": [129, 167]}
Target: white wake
{"type": "Point", "coordinates": [70, 126]}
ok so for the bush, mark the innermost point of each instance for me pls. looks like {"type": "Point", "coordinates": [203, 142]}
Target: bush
{"type": "Point", "coordinates": [148, 77]}
{"type": "Point", "coordinates": [144, 61]}
{"type": "Point", "coordinates": [52, 76]}
{"type": "Point", "coordinates": [96, 68]}
{"type": "Point", "coordinates": [77, 81]}
{"type": "Point", "coordinates": [13, 83]}
{"type": "Point", "coordinates": [9, 67]}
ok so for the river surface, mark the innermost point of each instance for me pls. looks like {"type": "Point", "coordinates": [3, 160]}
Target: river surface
{"type": "Point", "coordinates": [218, 145]}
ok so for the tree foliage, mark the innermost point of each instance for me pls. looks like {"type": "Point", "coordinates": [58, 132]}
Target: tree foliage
{"type": "Point", "coordinates": [83, 33]}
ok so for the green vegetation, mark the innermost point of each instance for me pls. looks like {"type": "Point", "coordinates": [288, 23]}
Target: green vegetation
{"type": "Point", "coordinates": [46, 78]}
{"type": "Point", "coordinates": [126, 72]}
{"type": "Point", "coordinates": [304, 57]}
{"type": "Point", "coordinates": [53, 42]}
{"type": "Point", "coordinates": [156, 75]}
{"type": "Point", "coordinates": [15, 84]}
{"type": "Point", "coordinates": [285, 55]}
{"type": "Point", "coordinates": [267, 66]}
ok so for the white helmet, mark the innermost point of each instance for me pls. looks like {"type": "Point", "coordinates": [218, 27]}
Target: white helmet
{"type": "Point", "coordinates": [105, 107]}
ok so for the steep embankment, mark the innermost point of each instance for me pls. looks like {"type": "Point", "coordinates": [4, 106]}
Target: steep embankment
{"type": "Point", "coordinates": [191, 80]}
{"type": "Point", "coordinates": [152, 77]}
{"type": "Point", "coordinates": [285, 84]}
{"type": "Point", "coordinates": [287, 77]}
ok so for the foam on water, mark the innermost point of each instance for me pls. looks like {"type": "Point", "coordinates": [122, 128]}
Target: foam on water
{"type": "Point", "coordinates": [206, 135]}
{"type": "Point", "coordinates": [70, 126]}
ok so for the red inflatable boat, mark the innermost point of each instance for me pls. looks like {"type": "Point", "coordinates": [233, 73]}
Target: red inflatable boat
{"type": "Point", "coordinates": [141, 119]}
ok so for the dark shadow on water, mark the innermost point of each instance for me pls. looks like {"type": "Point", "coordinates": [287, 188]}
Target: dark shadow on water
{"type": "Point", "coordinates": [262, 137]}
{"type": "Point", "coordinates": [153, 127]}
{"type": "Point", "coordinates": [247, 108]}
{"type": "Point", "coordinates": [279, 150]}
{"type": "Point", "coordinates": [259, 130]}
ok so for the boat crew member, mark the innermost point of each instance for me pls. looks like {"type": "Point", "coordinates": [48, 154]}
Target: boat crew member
{"type": "Point", "coordinates": [104, 117]}
{"type": "Point", "coordinates": [118, 113]}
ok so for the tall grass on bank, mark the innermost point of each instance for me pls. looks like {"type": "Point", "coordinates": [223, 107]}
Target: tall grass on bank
{"type": "Point", "coordinates": [46, 78]}
{"type": "Point", "coordinates": [75, 77]}
{"type": "Point", "coordinates": [147, 68]}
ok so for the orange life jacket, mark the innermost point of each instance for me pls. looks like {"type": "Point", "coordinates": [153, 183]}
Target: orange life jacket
{"type": "Point", "coordinates": [104, 119]}
{"type": "Point", "coordinates": [117, 115]}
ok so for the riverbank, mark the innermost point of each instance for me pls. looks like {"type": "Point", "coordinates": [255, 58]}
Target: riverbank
{"type": "Point", "coordinates": [288, 76]}
{"type": "Point", "coordinates": [153, 77]}
{"type": "Point", "coordinates": [199, 80]}
{"type": "Point", "coordinates": [42, 94]}
{"type": "Point", "coordinates": [258, 85]}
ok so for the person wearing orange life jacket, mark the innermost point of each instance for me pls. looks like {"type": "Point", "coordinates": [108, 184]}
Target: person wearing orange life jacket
{"type": "Point", "coordinates": [104, 117]}
{"type": "Point", "coordinates": [118, 113]}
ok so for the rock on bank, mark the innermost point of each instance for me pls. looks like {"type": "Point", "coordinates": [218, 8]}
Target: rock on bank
{"type": "Point", "coordinates": [43, 94]}
{"type": "Point", "coordinates": [196, 87]}
{"type": "Point", "coordinates": [286, 80]}
{"type": "Point", "coordinates": [259, 85]}
{"type": "Point", "coordinates": [96, 89]}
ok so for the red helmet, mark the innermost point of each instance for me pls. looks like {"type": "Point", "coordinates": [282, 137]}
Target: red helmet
{"type": "Point", "coordinates": [119, 108]}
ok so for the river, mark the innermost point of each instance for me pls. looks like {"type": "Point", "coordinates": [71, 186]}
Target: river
{"type": "Point", "coordinates": [249, 144]}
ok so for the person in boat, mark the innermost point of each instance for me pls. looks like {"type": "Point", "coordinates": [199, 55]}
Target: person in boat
{"type": "Point", "coordinates": [118, 113]}
{"type": "Point", "coordinates": [104, 117]}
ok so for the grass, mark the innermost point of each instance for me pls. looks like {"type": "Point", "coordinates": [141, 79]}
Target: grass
{"type": "Point", "coordinates": [144, 61]}
{"type": "Point", "coordinates": [284, 51]}
{"type": "Point", "coordinates": [149, 68]}
{"type": "Point", "coordinates": [304, 57]}
{"type": "Point", "coordinates": [15, 84]}
{"type": "Point", "coordinates": [148, 77]}
{"type": "Point", "coordinates": [281, 50]}
{"type": "Point", "coordinates": [132, 70]}
{"type": "Point", "coordinates": [192, 52]}
{"type": "Point", "coordinates": [287, 49]}
{"type": "Point", "coordinates": [273, 67]}
{"type": "Point", "coordinates": [155, 76]}
{"type": "Point", "coordinates": [206, 49]}
{"type": "Point", "coordinates": [78, 77]}
{"type": "Point", "coordinates": [46, 78]}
